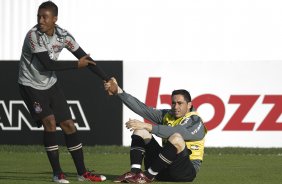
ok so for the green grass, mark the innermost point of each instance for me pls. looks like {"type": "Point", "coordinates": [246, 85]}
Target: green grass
{"type": "Point", "coordinates": [29, 165]}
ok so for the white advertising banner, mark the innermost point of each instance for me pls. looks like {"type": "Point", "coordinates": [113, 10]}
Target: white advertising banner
{"type": "Point", "coordinates": [240, 102]}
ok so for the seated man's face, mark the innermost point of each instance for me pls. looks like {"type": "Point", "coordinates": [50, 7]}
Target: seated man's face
{"type": "Point", "coordinates": [179, 106]}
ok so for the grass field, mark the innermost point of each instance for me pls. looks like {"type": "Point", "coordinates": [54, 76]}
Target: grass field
{"type": "Point", "coordinates": [29, 165]}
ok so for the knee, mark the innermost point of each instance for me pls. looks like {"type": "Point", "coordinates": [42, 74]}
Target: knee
{"type": "Point", "coordinates": [147, 136]}
{"type": "Point", "coordinates": [49, 123]}
{"type": "Point", "coordinates": [177, 140]}
{"type": "Point", "coordinates": [68, 126]}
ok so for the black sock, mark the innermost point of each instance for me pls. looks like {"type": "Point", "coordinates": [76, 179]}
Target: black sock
{"type": "Point", "coordinates": [75, 148]}
{"type": "Point", "coordinates": [165, 158]}
{"type": "Point", "coordinates": [52, 150]}
{"type": "Point", "coordinates": [137, 151]}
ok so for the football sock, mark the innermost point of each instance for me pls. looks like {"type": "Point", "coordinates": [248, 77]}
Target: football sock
{"type": "Point", "coordinates": [75, 148]}
{"type": "Point", "coordinates": [137, 151]}
{"type": "Point", "coordinates": [52, 150]}
{"type": "Point", "coordinates": [165, 158]}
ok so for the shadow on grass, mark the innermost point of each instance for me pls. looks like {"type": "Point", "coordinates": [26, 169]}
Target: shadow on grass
{"type": "Point", "coordinates": [25, 176]}
{"type": "Point", "coordinates": [41, 176]}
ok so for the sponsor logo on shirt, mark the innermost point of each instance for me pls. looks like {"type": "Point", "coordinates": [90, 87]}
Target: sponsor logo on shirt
{"type": "Point", "coordinates": [194, 147]}
{"type": "Point", "coordinates": [185, 121]}
{"type": "Point", "coordinates": [61, 39]}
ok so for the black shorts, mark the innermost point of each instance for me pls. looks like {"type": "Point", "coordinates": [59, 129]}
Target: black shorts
{"type": "Point", "coordinates": [42, 103]}
{"type": "Point", "coordinates": [181, 169]}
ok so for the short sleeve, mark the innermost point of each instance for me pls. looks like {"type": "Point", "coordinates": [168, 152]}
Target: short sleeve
{"type": "Point", "coordinates": [70, 43]}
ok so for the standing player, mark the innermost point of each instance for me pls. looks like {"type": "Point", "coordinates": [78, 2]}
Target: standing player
{"type": "Point", "coordinates": [182, 131]}
{"type": "Point", "coordinates": [43, 95]}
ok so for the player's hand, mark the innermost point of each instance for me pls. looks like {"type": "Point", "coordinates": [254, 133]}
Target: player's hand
{"type": "Point", "coordinates": [111, 86]}
{"type": "Point", "coordinates": [84, 61]}
{"type": "Point", "coordinates": [134, 124]}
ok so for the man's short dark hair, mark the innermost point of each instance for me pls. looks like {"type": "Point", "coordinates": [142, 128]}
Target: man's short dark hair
{"type": "Point", "coordinates": [184, 93]}
{"type": "Point", "coordinates": [50, 6]}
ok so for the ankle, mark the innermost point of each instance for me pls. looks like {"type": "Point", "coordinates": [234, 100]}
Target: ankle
{"type": "Point", "coordinates": [149, 176]}
{"type": "Point", "coordinates": [135, 170]}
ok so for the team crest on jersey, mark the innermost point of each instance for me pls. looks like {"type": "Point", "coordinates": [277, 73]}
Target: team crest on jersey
{"type": "Point", "coordinates": [37, 107]}
{"type": "Point", "coordinates": [56, 48]}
